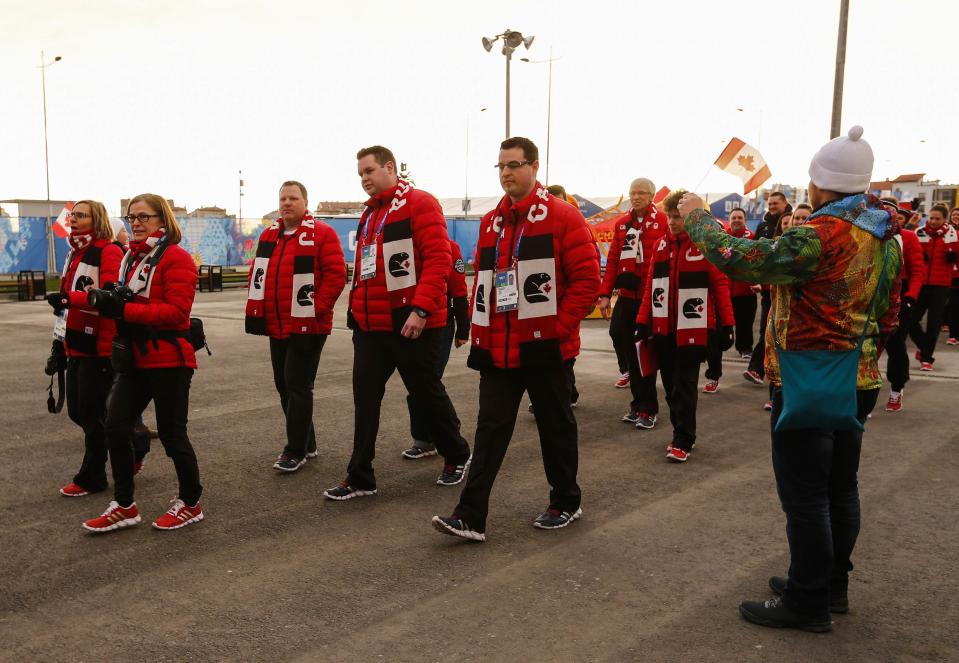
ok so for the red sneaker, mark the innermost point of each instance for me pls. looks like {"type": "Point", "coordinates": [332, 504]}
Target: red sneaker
{"type": "Point", "coordinates": [677, 455]}
{"type": "Point", "coordinates": [623, 381]}
{"type": "Point", "coordinates": [73, 490]}
{"type": "Point", "coordinates": [753, 376]}
{"type": "Point", "coordinates": [952, 341]}
{"type": "Point", "coordinates": [918, 355]}
{"type": "Point", "coordinates": [712, 386]}
{"type": "Point", "coordinates": [925, 366]}
{"type": "Point", "coordinates": [115, 517]}
{"type": "Point", "coordinates": [895, 403]}
{"type": "Point", "coordinates": [179, 515]}
{"type": "Point", "coordinates": [768, 406]}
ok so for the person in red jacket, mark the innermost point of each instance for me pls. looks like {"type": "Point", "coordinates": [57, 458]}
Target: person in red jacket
{"type": "Point", "coordinates": [93, 262]}
{"type": "Point", "coordinates": [537, 277]}
{"type": "Point", "coordinates": [457, 330]}
{"type": "Point", "coordinates": [913, 277]}
{"type": "Point", "coordinates": [153, 360]}
{"type": "Point", "coordinates": [397, 313]}
{"type": "Point", "coordinates": [940, 243]}
{"type": "Point", "coordinates": [952, 309]}
{"type": "Point", "coordinates": [682, 291]}
{"type": "Point", "coordinates": [743, 294]}
{"type": "Point", "coordinates": [636, 234]}
{"type": "Point", "coordinates": [296, 276]}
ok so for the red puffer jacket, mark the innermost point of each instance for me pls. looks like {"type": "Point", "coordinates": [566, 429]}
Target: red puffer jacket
{"type": "Point", "coordinates": [166, 306]}
{"type": "Point", "coordinates": [100, 327]}
{"type": "Point", "coordinates": [329, 275]}
{"type": "Point", "coordinates": [913, 264]}
{"type": "Point", "coordinates": [618, 274]}
{"type": "Point", "coordinates": [740, 288]}
{"type": "Point", "coordinates": [939, 249]}
{"type": "Point", "coordinates": [373, 307]}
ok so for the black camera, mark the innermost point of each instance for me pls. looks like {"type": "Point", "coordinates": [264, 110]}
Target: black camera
{"type": "Point", "coordinates": [110, 299]}
{"type": "Point", "coordinates": [57, 361]}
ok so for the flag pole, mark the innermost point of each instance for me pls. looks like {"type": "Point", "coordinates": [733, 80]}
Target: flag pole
{"type": "Point", "coordinates": [703, 178]}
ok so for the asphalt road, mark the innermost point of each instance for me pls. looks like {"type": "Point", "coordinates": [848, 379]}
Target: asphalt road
{"type": "Point", "coordinates": [653, 571]}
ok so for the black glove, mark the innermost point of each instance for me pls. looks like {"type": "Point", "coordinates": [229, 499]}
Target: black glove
{"type": "Point", "coordinates": [642, 333]}
{"type": "Point", "coordinates": [108, 302]}
{"type": "Point", "coordinates": [908, 303]}
{"type": "Point", "coordinates": [952, 257]}
{"type": "Point", "coordinates": [725, 337]}
{"type": "Point", "coordinates": [58, 301]}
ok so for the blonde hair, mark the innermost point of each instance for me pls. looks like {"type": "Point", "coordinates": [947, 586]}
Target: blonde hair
{"type": "Point", "coordinates": [102, 228]}
{"type": "Point", "coordinates": [160, 206]}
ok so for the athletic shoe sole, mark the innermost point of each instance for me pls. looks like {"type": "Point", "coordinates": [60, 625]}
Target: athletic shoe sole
{"type": "Point", "coordinates": [276, 466]}
{"type": "Point", "coordinates": [710, 391]}
{"type": "Point", "coordinates": [812, 627]}
{"type": "Point", "coordinates": [195, 519]}
{"type": "Point", "coordinates": [622, 386]}
{"type": "Point", "coordinates": [120, 524]}
{"type": "Point", "coordinates": [751, 378]}
{"type": "Point", "coordinates": [467, 534]}
{"type": "Point", "coordinates": [674, 459]}
{"type": "Point", "coordinates": [423, 454]}
{"type": "Point", "coordinates": [466, 469]}
{"type": "Point", "coordinates": [643, 426]}
{"type": "Point", "coordinates": [627, 420]}
{"type": "Point", "coordinates": [312, 454]}
{"type": "Point", "coordinates": [349, 496]}
{"type": "Point", "coordinates": [83, 494]}
{"type": "Point", "coordinates": [575, 516]}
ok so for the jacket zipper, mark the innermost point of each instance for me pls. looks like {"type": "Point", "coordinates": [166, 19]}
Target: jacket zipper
{"type": "Point", "coordinates": [276, 283]}
{"type": "Point", "coordinates": [509, 262]}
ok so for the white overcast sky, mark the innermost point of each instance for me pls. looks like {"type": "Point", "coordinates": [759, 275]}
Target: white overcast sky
{"type": "Point", "coordinates": [174, 97]}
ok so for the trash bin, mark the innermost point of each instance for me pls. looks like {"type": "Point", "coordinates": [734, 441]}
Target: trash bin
{"type": "Point", "coordinates": [211, 278]}
{"type": "Point", "coordinates": [31, 284]}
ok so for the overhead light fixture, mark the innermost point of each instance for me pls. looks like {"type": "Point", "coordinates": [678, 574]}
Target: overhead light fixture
{"type": "Point", "coordinates": [487, 44]}
{"type": "Point", "coordinates": [528, 41]}
{"type": "Point", "coordinates": [513, 39]}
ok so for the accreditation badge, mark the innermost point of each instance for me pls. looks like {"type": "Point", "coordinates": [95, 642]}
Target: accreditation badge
{"type": "Point", "coordinates": [507, 294]}
{"type": "Point", "coordinates": [368, 262]}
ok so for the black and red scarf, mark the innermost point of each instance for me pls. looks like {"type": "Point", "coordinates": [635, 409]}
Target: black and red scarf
{"type": "Point", "coordinates": [302, 304]}
{"type": "Point", "coordinates": [136, 268]}
{"type": "Point", "coordinates": [82, 324]}
{"type": "Point", "coordinates": [680, 291]}
{"type": "Point", "coordinates": [631, 253]}
{"type": "Point", "coordinates": [946, 232]}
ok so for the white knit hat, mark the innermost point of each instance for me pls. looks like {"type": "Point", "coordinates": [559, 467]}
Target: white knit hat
{"type": "Point", "coordinates": [844, 164]}
{"type": "Point", "coordinates": [117, 225]}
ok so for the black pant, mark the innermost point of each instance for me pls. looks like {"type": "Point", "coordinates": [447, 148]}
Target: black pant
{"type": "Point", "coordinates": [744, 312]}
{"type": "Point", "coordinates": [680, 375]}
{"type": "Point", "coordinates": [419, 421]}
{"type": "Point", "coordinates": [88, 383]}
{"type": "Point", "coordinates": [169, 389]}
{"type": "Point", "coordinates": [897, 356]}
{"type": "Point", "coordinates": [818, 488]}
{"type": "Point", "coordinates": [375, 356]}
{"type": "Point", "coordinates": [500, 393]}
{"type": "Point", "coordinates": [932, 304]}
{"type": "Point", "coordinates": [622, 329]}
{"type": "Point", "coordinates": [952, 312]}
{"type": "Point", "coordinates": [758, 358]}
{"type": "Point", "coordinates": [295, 360]}
{"type": "Point", "coordinates": [714, 357]}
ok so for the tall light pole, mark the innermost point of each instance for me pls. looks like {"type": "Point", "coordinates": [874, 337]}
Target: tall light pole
{"type": "Point", "coordinates": [511, 41]}
{"type": "Point", "coordinates": [840, 69]}
{"type": "Point", "coordinates": [466, 188]}
{"type": "Point", "coordinates": [549, 99]}
{"type": "Point", "coordinates": [51, 257]}
{"type": "Point", "coordinates": [239, 214]}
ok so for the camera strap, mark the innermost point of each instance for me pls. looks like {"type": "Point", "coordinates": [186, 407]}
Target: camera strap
{"type": "Point", "coordinates": [55, 405]}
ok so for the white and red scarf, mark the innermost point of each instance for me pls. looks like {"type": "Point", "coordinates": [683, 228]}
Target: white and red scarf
{"type": "Point", "coordinates": [394, 245]}
{"type": "Point", "coordinates": [138, 258]}
{"type": "Point", "coordinates": [679, 265]}
{"type": "Point", "coordinates": [82, 325]}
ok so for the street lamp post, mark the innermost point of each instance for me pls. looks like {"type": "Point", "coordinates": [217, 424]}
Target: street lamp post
{"type": "Point", "coordinates": [549, 99]}
{"type": "Point", "coordinates": [840, 70]}
{"type": "Point", "coordinates": [51, 258]}
{"type": "Point", "coordinates": [511, 41]}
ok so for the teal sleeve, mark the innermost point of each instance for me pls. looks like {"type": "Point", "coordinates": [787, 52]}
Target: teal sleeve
{"type": "Point", "coordinates": [791, 258]}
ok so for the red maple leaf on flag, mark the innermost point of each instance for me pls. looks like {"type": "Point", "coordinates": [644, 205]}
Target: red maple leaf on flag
{"type": "Point", "coordinates": [746, 163]}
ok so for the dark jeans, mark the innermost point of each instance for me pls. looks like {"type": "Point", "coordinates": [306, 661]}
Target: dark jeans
{"type": "Point", "coordinates": [622, 329]}
{"type": "Point", "coordinates": [500, 393]}
{"type": "Point", "coordinates": [419, 422]}
{"type": "Point", "coordinates": [295, 360]}
{"type": "Point", "coordinates": [714, 357]}
{"type": "Point", "coordinates": [897, 356]}
{"type": "Point", "coordinates": [375, 356]}
{"type": "Point", "coordinates": [88, 383]}
{"type": "Point", "coordinates": [744, 312]}
{"type": "Point", "coordinates": [758, 358]}
{"type": "Point", "coordinates": [573, 391]}
{"type": "Point", "coordinates": [952, 312]}
{"type": "Point", "coordinates": [817, 485]}
{"type": "Point", "coordinates": [680, 375]}
{"type": "Point", "coordinates": [169, 389]}
{"type": "Point", "coordinates": [932, 304]}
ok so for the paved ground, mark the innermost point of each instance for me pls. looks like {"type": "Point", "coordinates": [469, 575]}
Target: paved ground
{"type": "Point", "coordinates": [653, 572]}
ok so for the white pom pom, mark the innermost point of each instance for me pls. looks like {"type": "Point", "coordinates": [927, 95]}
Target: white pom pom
{"type": "Point", "coordinates": [855, 133]}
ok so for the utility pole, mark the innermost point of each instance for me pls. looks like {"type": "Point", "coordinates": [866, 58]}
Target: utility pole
{"type": "Point", "coordinates": [840, 69]}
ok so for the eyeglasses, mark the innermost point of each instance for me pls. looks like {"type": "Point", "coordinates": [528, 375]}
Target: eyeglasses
{"type": "Point", "coordinates": [142, 218]}
{"type": "Point", "coordinates": [512, 165]}
{"type": "Point", "coordinates": [80, 216]}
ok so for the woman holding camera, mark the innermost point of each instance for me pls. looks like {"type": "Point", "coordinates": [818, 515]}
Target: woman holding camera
{"type": "Point", "coordinates": [153, 359]}
{"type": "Point", "coordinates": [93, 261]}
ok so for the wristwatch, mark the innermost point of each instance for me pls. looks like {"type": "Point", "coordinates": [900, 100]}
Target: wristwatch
{"type": "Point", "coordinates": [420, 312]}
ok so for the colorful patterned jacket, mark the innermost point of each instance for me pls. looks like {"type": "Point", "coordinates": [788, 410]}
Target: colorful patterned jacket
{"type": "Point", "coordinates": [823, 273]}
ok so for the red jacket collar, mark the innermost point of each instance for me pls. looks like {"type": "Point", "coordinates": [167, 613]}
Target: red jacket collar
{"type": "Point", "coordinates": [382, 197]}
{"type": "Point", "coordinates": [521, 208]}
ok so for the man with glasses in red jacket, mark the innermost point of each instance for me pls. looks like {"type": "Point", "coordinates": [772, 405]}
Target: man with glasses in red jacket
{"type": "Point", "coordinates": [398, 310]}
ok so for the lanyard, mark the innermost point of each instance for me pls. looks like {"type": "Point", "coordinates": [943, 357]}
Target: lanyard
{"type": "Point", "coordinates": [519, 238]}
{"type": "Point", "coordinates": [367, 235]}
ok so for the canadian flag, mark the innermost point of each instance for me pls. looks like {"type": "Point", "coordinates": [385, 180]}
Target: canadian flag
{"type": "Point", "coordinates": [745, 162]}
{"type": "Point", "coordinates": [61, 227]}
{"type": "Point", "coordinates": [661, 195]}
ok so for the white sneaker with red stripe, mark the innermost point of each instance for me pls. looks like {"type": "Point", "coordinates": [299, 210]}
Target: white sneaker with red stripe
{"type": "Point", "coordinates": [179, 515]}
{"type": "Point", "coordinates": [623, 381]}
{"type": "Point", "coordinates": [115, 517]}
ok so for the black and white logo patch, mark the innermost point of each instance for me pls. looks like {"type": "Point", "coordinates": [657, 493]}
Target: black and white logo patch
{"type": "Point", "coordinates": [659, 295]}
{"type": "Point", "coordinates": [460, 266]}
{"type": "Point", "coordinates": [304, 296]}
{"type": "Point", "coordinates": [480, 303]}
{"type": "Point", "coordinates": [258, 276]}
{"type": "Point", "coordinates": [399, 264]}
{"type": "Point", "coordinates": [83, 283]}
{"type": "Point", "coordinates": [537, 287]}
{"type": "Point", "coordinates": [694, 307]}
